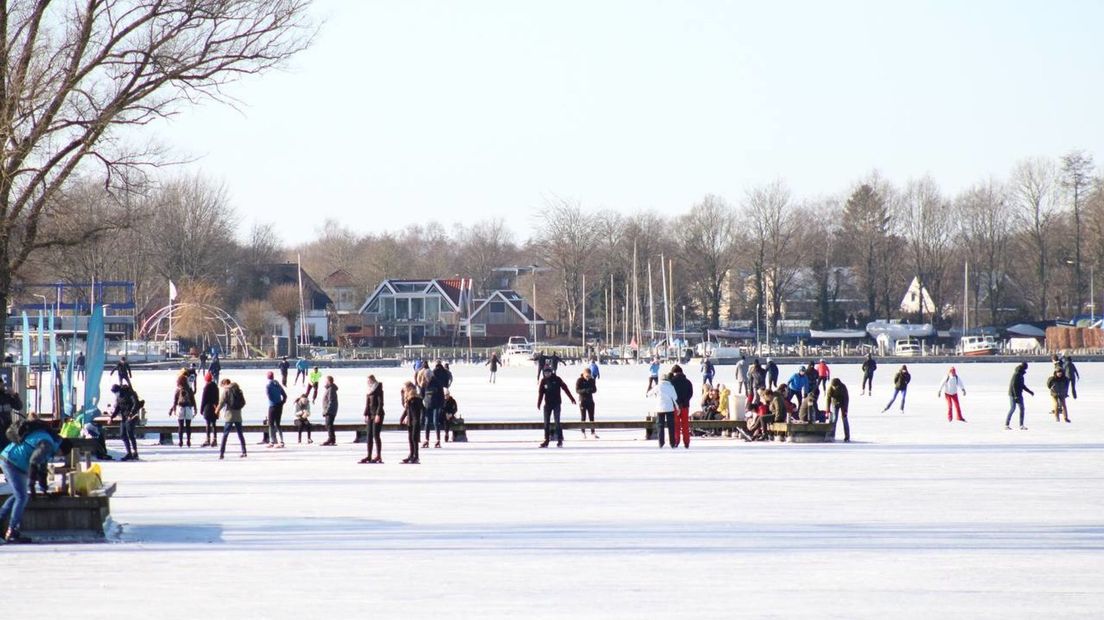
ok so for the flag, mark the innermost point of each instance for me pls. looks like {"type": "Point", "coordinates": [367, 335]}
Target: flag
{"type": "Point", "coordinates": [172, 291]}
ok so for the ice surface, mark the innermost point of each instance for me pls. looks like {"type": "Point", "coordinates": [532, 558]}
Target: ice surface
{"type": "Point", "coordinates": [917, 518]}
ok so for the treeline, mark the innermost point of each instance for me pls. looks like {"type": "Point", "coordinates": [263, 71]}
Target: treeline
{"type": "Point", "coordinates": [1033, 239]}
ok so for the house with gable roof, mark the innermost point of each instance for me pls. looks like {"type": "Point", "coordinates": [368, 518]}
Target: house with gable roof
{"type": "Point", "coordinates": [436, 311]}
{"type": "Point", "coordinates": [503, 314]}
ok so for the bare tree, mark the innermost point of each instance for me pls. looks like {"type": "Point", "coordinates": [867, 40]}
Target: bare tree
{"type": "Point", "coordinates": [565, 238]}
{"type": "Point", "coordinates": [707, 245]}
{"type": "Point", "coordinates": [253, 317]}
{"type": "Point", "coordinates": [776, 225]}
{"type": "Point", "coordinates": [1077, 179]}
{"type": "Point", "coordinates": [927, 225]}
{"type": "Point", "coordinates": [985, 231]}
{"type": "Point", "coordinates": [284, 300]}
{"type": "Point", "coordinates": [192, 226]}
{"type": "Point", "coordinates": [76, 74]}
{"type": "Point", "coordinates": [1034, 199]}
{"type": "Point", "coordinates": [483, 246]}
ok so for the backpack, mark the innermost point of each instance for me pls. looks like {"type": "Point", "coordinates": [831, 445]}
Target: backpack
{"type": "Point", "coordinates": [236, 398]}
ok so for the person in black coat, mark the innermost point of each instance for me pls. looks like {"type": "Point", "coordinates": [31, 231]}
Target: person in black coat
{"type": "Point", "coordinates": [434, 406]}
{"type": "Point", "coordinates": [684, 393]}
{"type": "Point", "coordinates": [208, 408]}
{"type": "Point", "coordinates": [122, 368]}
{"type": "Point", "coordinates": [373, 420]}
{"type": "Point", "coordinates": [411, 417]}
{"type": "Point", "coordinates": [868, 368]}
{"type": "Point", "coordinates": [585, 387]}
{"type": "Point", "coordinates": [1016, 388]}
{"type": "Point", "coordinates": [548, 395]}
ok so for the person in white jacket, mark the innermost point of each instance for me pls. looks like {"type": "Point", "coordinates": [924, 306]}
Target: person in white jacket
{"type": "Point", "coordinates": [951, 386]}
{"type": "Point", "coordinates": [663, 408]}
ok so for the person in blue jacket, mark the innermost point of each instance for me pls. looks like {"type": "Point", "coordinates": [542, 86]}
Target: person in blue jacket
{"type": "Point", "coordinates": [37, 446]}
{"type": "Point", "coordinates": [798, 384]}
{"type": "Point", "coordinates": [301, 367]}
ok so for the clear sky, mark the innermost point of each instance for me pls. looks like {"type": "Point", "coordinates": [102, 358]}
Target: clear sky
{"type": "Point", "coordinates": [409, 111]}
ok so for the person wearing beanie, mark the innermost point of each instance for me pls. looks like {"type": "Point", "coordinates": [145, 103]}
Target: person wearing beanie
{"type": "Point", "coordinates": [184, 406]}
{"type": "Point", "coordinates": [548, 401]}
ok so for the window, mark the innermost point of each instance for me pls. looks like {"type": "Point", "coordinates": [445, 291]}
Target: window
{"type": "Point", "coordinates": [402, 309]}
{"type": "Point", "coordinates": [417, 309]}
{"type": "Point", "coordinates": [497, 307]}
{"type": "Point", "coordinates": [432, 308]}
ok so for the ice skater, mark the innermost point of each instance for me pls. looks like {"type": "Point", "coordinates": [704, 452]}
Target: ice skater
{"type": "Point", "coordinates": [949, 389]}
{"type": "Point", "coordinates": [329, 410]}
{"type": "Point", "coordinates": [1059, 384]}
{"type": "Point", "coordinates": [741, 375]}
{"type": "Point", "coordinates": [493, 363]}
{"type": "Point", "coordinates": [301, 367]}
{"type": "Point", "coordinates": [1016, 388]}
{"type": "Point", "coordinates": [653, 374]}
{"type": "Point", "coordinates": [373, 420]}
{"type": "Point", "coordinates": [868, 368]}
{"type": "Point", "coordinates": [302, 418]}
{"type": "Point", "coordinates": [184, 407]}
{"type": "Point", "coordinates": [1070, 370]}
{"type": "Point", "coordinates": [277, 397]}
{"type": "Point", "coordinates": [663, 409]}
{"type": "Point", "coordinates": [122, 368]}
{"type": "Point", "coordinates": [412, 415]}
{"type": "Point", "coordinates": [708, 372]}
{"type": "Point", "coordinates": [585, 387]}
{"type": "Point", "coordinates": [548, 402]}
{"type": "Point", "coordinates": [128, 409]}
{"type": "Point", "coordinates": [208, 408]}
{"type": "Point", "coordinates": [231, 403]}
{"type": "Point", "coordinates": [900, 386]}
{"type": "Point", "coordinates": [837, 402]}
{"type": "Point", "coordinates": [684, 393]}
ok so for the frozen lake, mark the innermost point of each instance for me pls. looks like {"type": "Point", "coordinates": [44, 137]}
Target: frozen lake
{"type": "Point", "coordinates": [916, 518]}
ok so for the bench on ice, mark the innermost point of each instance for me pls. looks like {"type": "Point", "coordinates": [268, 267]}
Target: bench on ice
{"type": "Point", "coordinates": [69, 516]}
{"type": "Point", "coordinates": [803, 432]}
{"type": "Point", "coordinates": [459, 427]}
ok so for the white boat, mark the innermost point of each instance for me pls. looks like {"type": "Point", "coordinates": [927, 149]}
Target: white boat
{"type": "Point", "coordinates": [909, 347]}
{"type": "Point", "coordinates": [518, 350]}
{"type": "Point", "coordinates": [978, 345]}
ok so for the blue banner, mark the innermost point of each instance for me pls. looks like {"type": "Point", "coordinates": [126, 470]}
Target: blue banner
{"type": "Point", "coordinates": [94, 360]}
{"type": "Point", "coordinates": [27, 358]}
{"type": "Point", "coordinates": [55, 370]}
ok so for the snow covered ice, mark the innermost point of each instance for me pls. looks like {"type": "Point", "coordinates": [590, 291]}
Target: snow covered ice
{"type": "Point", "coordinates": [917, 518]}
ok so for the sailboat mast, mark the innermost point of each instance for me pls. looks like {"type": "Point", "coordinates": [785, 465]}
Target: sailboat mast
{"type": "Point", "coordinates": [651, 305]}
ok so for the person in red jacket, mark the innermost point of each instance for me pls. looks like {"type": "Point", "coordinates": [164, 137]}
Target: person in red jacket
{"type": "Point", "coordinates": [824, 375]}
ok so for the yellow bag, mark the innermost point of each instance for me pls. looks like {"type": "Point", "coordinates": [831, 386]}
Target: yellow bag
{"type": "Point", "coordinates": [85, 482]}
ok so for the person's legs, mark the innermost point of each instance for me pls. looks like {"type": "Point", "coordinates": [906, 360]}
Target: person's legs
{"type": "Point", "coordinates": [1021, 412]}
{"type": "Point", "coordinates": [376, 434]}
{"type": "Point", "coordinates": [331, 437]}
{"type": "Point", "coordinates": [846, 426]}
{"type": "Point", "coordinates": [12, 510]}
{"type": "Point", "coordinates": [559, 428]}
{"type": "Point", "coordinates": [659, 428]}
{"type": "Point", "coordinates": [950, 413]}
{"type": "Point", "coordinates": [241, 435]}
{"type": "Point", "coordinates": [179, 431]}
{"type": "Point", "coordinates": [440, 422]}
{"type": "Point", "coordinates": [904, 393]}
{"type": "Point", "coordinates": [682, 420]}
{"type": "Point", "coordinates": [225, 434]}
{"type": "Point", "coordinates": [1011, 409]}
{"type": "Point", "coordinates": [547, 423]}
{"type": "Point", "coordinates": [1064, 408]}
{"type": "Point", "coordinates": [892, 400]}
{"type": "Point", "coordinates": [130, 439]}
